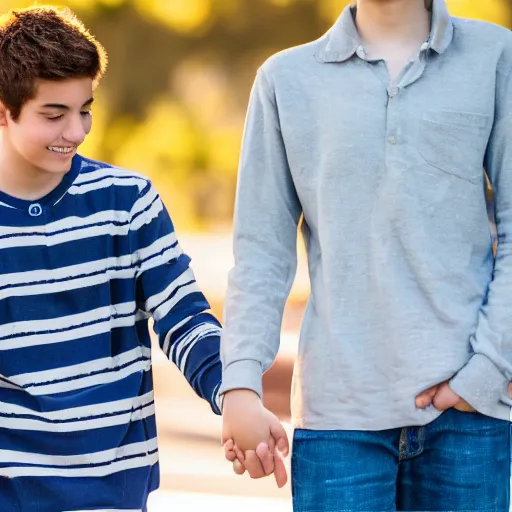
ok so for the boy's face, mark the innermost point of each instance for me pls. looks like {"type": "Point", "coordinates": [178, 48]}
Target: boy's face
{"type": "Point", "coordinates": [50, 126]}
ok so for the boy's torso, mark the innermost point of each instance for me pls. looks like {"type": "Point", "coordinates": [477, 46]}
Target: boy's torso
{"type": "Point", "coordinates": [76, 392]}
{"type": "Point", "coordinates": [390, 178]}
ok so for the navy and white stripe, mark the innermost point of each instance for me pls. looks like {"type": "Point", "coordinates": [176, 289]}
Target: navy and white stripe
{"type": "Point", "coordinates": [78, 284]}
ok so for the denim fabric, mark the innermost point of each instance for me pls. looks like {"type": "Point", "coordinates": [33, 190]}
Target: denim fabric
{"type": "Point", "coordinates": [458, 462]}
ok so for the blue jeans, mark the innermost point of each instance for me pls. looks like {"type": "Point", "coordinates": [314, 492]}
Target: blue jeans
{"type": "Point", "coordinates": [459, 462]}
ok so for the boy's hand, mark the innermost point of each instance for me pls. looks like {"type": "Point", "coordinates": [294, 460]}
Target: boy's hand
{"type": "Point", "coordinates": [256, 434]}
{"type": "Point", "coordinates": [259, 463]}
{"type": "Point", "coordinates": [442, 397]}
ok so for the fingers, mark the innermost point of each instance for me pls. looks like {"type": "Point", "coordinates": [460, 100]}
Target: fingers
{"type": "Point", "coordinates": [278, 432]}
{"type": "Point", "coordinates": [238, 467]}
{"type": "Point", "coordinates": [239, 454]}
{"type": "Point", "coordinates": [253, 465]}
{"type": "Point", "coordinates": [266, 456]}
{"type": "Point", "coordinates": [229, 451]}
{"type": "Point", "coordinates": [425, 399]}
{"type": "Point", "coordinates": [280, 474]}
{"type": "Point", "coordinates": [445, 398]}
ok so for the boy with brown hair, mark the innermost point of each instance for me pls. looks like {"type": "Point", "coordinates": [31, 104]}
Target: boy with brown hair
{"type": "Point", "coordinates": [88, 253]}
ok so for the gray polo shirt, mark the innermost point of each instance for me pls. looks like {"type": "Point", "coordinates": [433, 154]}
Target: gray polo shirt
{"type": "Point", "coordinates": [389, 181]}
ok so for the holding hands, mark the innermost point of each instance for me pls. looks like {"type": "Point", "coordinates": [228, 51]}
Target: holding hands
{"type": "Point", "coordinates": [254, 439]}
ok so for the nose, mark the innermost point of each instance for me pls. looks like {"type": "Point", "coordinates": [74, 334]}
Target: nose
{"type": "Point", "coordinates": [75, 131]}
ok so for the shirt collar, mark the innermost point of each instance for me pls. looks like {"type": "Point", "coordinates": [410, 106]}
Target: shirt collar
{"type": "Point", "coordinates": [342, 40]}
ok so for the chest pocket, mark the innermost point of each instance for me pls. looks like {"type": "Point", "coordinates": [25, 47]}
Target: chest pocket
{"type": "Point", "coordinates": [455, 142]}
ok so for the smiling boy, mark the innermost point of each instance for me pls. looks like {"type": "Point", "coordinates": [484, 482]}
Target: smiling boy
{"type": "Point", "coordinates": [87, 254]}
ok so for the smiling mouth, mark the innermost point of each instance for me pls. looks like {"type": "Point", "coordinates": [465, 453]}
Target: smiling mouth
{"type": "Point", "coordinates": [61, 150]}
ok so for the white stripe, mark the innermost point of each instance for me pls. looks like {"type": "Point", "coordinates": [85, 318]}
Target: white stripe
{"type": "Point", "coordinates": [156, 299]}
{"type": "Point", "coordinates": [69, 284]}
{"type": "Point", "coordinates": [156, 247]}
{"type": "Point", "coordinates": [72, 334]}
{"type": "Point", "coordinates": [63, 279]}
{"type": "Point", "coordinates": [94, 471]}
{"type": "Point", "coordinates": [77, 234]}
{"type": "Point", "coordinates": [107, 182]}
{"type": "Point", "coordinates": [65, 372]}
{"type": "Point", "coordinates": [65, 322]}
{"type": "Point", "coordinates": [35, 425]}
{"type": "Point", "coordinates": [161, 311]}
{"type": "Point", "coordinates": [71, 271]}
{"type": "Point", "coordinates": [169, 334]}
{"type": "Point", "coordinates": [78, 276]}
{"type": "Point", "coordinates": [91, 380]}
{"type": "Point", "coordinates": [8, 385]}
{"type": "Point", "coordinates": [8, 205]}
{"type": "Point", "coordinates": [192, 338]}
{"type": "Point", "coordinates": [107, 172]}
{"type": "Point", "coordinates": [148, 216]}
{"type": "Point", "coordinates": [110, 455]}
{"type": "Point", "coordinates": [70, 236]}
{"type": "Point", "coordinates": [83, 411]}
{"type": "Point", "coordinates": [67, 223]}
{"type": "Point", "coordinates": [143, 202]}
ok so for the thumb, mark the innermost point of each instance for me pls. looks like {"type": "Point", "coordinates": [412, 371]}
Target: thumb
{"type": "Point", "coordinates": [445, 398]}
{"type": "Point", "coordinates": [425, 398]}
{"type": "Point", "coordinates": [278, 432]}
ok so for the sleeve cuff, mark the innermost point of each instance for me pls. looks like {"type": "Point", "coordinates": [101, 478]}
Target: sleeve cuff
{"type": "Point", "coordinates": [246, 374]}
{"type": "Point", "coordinates": [481, 384]}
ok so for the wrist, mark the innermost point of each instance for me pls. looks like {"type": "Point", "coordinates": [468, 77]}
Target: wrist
{"type": "Point", "coordinates": [233, 394]}
{"type": "Point", "coordinates": [239, 397]}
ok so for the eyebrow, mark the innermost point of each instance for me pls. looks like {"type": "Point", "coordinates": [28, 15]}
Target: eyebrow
{"type": "Point", "coordinates": [65, 107]}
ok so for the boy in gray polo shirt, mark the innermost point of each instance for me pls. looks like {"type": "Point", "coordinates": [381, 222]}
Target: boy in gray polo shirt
{"type": "Point", "coordinates": [377, 136]}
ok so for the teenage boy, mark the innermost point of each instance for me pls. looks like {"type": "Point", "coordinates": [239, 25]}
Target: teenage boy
{"type": "Point", "coordinates": [377, 136]}
{"type": "Point", "coordinates": [87, 254]}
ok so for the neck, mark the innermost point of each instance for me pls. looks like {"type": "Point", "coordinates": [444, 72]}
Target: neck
{"type": "Point", "coordinates": [22, 180]}
{"type": "Point", "coordinates": [381, 22]}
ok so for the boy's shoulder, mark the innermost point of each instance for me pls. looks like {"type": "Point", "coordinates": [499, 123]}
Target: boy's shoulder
{"type": "Point", "coordinates": [294, 60]}
{"type": "Point", "coordinates": [95, 170]}
{"type": "Point", "coordinates": [99, 176]}
{"type": "Point", "coordinates": [483, 33]}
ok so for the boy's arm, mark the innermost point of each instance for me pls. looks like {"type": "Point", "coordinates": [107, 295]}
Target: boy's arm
{"type": "Point", "coordinates": [267, 213]}
{"type": "Point", "coordinates": [483, 381]}
{"type": "Point", "coordinates": [167, 290]}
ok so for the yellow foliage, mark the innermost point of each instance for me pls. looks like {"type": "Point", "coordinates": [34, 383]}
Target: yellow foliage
{"type": "Point", "coordinates": [180, 15]}
{"type": "Point", "coordinates": [496, 11]}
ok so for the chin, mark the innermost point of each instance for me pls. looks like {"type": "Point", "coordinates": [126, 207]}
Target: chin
{"type": "Point", "coordinates": [62, 168]}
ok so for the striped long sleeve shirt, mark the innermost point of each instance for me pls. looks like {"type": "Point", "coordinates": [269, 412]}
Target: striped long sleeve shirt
{"type": "Point", "coordinates": [81, 272]}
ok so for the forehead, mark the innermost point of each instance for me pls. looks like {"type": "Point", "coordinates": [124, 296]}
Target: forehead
{"type": "Point", "coordinates": [71, 91]}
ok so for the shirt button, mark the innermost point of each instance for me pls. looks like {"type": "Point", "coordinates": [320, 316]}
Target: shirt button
{"type": "Point", "coordinates": [392, 139]}
{"type": "Point", "coordinates": [393, 91]}
{"type": "Point", "coordinates": [34, 210]}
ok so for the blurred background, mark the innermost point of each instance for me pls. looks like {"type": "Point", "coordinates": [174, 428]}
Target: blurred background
{"type": "Point", "coordinates": [172, 106]}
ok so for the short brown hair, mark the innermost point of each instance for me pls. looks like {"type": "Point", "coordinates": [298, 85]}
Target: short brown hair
{"type": "Point", "coordinates": [44, 42]}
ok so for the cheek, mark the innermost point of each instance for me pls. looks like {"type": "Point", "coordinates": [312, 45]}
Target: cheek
{"type": "Point", "coordinates": [87, 124]}
{"type": "Point", "coordinates": [36, 135]}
